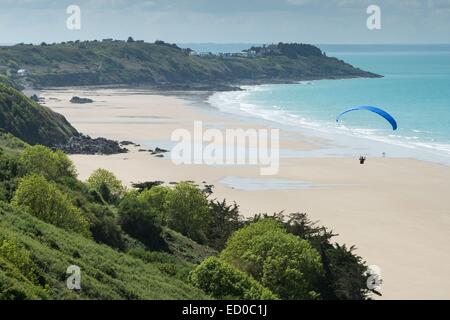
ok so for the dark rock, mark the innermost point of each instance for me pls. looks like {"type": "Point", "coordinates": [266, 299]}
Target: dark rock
{"type": "Point", "coordinates": [208, 189]}
{"type": "Point", "coordinates": [146, 185]}
{"type": "Point", "coordinates": [79, 100]}
{"type": "Point", "coordinates": [159, 150]}
{"type": "Point", "coordinates": [82, 144]}
{"type": "Point", "coordinates": [35, 98]}
{"type": "Point", "coordinates": [127, 143]}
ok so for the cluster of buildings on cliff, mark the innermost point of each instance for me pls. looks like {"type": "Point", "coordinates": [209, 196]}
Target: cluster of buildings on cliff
{"type": "Point", "coordinates": [250, 53]}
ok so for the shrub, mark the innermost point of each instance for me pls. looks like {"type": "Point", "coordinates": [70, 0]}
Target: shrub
{"type": "Point", "coordinates": [104, 228]}
{"type": "Point", "coordinates": [141, 222]}
{"type": "Point", "coordinates": [222, 281]}
{"type": "Point", "coordinates": [9, 172]}
{"type": "Point", "coordinates": [16, 260]}
{"type": "Point", "coordinates": [225, 221]}
{"type": "Point", "coordinates": [106, 184]}
{"type": "Point", "coordinates": [156, 198]}
{"type": "Point", "coordinates": [345, 273]}
{"type": "Point", "coordinates": [45, 201]}
{"type": "Point", "coordinates": [52, 165]}
{"type": "Point", "coordinates": [282, 262]}
{"type": "Point", "coordinates": [20, 278]}
{"type": "Point", "coordinates": [188, 211]}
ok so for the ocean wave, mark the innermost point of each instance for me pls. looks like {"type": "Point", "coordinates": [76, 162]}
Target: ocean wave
{"type": "Point", "coordinates": [236, 103]}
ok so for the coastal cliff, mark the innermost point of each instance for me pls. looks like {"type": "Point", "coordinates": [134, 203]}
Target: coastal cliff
{"type": "Point", "coordinates": [30, 121]}
{"type": "Point", "coordinates": [114, 62]}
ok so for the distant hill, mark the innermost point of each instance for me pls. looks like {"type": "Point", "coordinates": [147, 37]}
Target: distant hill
{"type": "Point", "coordinates": [133, 62]}
{"type": "Point", "coordinates": [31, 122]}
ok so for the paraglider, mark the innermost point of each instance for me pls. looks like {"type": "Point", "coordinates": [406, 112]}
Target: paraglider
{"type": "Point", "coordinates": [376, 110]}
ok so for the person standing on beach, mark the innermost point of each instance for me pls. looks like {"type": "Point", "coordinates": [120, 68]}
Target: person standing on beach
{"type": "Point", "coordinates": [362, 159]}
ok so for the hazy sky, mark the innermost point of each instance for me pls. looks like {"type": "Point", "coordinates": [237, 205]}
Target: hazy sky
{"type": "Point", "coordinates": [225, 21]}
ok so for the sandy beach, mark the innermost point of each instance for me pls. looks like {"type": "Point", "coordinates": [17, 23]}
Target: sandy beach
{"type": "Point", "coordinates": [395, 211]}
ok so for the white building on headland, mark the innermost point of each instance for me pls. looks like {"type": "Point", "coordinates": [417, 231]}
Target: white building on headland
{"type": "Point", "coordinates": [22, 72]}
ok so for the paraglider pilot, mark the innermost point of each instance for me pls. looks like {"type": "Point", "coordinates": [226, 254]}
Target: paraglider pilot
{"type": "Point", "coordinates": [362, 160]}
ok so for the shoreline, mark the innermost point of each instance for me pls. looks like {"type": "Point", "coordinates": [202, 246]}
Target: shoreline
{"type": "Point", "coordinates": [347, 139]}
{"type": "Point", "coordinates": [394, 210]}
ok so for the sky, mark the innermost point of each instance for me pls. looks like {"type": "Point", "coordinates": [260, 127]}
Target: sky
{"type": "Point", "coordinates": [228, 21]}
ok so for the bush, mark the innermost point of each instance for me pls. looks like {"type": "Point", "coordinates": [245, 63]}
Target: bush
{"type": "Point", "coordinates": [9, 172]}
{"type": "Point", "coordinates": [104, 228]}
{"type": "Point", "coordinates": [45, 201]}
{"type": "Point", "coordinates": [106, 184]}
{"type": "Point", "coordinates": [282, 262]}
{"type": "Point", "coordinates": [139, 220]}
{"type": "Point", "coordinates": [52, 165]}
{"type": "Point", "coordinates": [155, 198]}
{"type": "Point", "coordinates": [188, 211]}
{"type": "Point", "coordinates": [225, 221]}
{"type": "Point", "coordinates": [16, 260]}
{"type": "Point", "coordinates": [346, 273]}
{"type": "Point", "coordinates": [20, 278]}
{"type": "Point", "coordinates": [222, 281]}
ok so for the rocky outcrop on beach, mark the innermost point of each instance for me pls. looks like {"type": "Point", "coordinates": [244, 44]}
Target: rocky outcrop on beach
{"type": "Point", "coordinates": [79, 100]}
{"type": "Point", "coordinates": [129, 143]}
{"type": "Point", "coordinates": [141, 186]}
{"type": "Point", "coordinates": [158, 151]}
{"type": "Point", "coordinates": [83, 144]}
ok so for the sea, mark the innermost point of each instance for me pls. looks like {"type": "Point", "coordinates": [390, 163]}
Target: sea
{"type": "Point", "coordinates": [415, 90]}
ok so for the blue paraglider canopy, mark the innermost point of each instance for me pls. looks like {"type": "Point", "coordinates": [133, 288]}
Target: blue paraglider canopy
{"type": "Point", "coordinates": [376, 110]}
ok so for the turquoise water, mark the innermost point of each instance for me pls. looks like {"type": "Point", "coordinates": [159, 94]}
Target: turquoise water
{"type": "Point", "coordinates": [415, 90]}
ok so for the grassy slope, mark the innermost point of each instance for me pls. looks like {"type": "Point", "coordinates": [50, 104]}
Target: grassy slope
{"type": "Point", "coordinates": [186, 249]}
{"type": "Point", "coordinates": [10, 144]}
{"type": "Point", "coordinates": [7, 81]}
{"type": "Point", "coordinates": [90, 63]}
{"type": "Point", "coordinates": [31, 122]}
{"type": "Point", "coordinates": [106, 273]}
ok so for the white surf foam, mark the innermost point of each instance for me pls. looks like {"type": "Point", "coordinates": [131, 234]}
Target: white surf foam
{"type": "Point", "coordinates": [235, 102]}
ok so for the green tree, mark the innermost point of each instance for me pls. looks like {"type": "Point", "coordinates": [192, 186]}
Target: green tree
{"type": "Point", "coordinates": [140, 221]}
{"type": "Point", "coordinates": [345, 273]}
{"type": "Point", "coordinates": [225, 221]}
{"type": "Point", "coordinates": [156, 198]}
{"type": "Point", "coordinates": [188, 211]}
{"type": "Point", "coordinates": [52, 165]}
{"type": "Point", "coordinates": [106, 183]}
{"type": "Point", "coordinates": [287, 265]}
{"type": "Point", "coordinates": [104, 226]}
{"type": "Point", "coordinates": [223, 281]}
{"type": "Point", "coordinates": [43, 199]}
{"type": "Point", "coordinates": [9, 173]}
